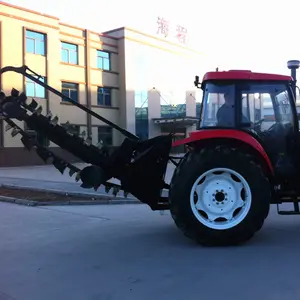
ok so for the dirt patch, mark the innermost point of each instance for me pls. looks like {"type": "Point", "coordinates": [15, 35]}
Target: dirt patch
{"type": "Point", "coordinates": [40, 196]}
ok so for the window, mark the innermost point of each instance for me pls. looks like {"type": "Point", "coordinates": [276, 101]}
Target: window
{"type": "Point", "coordinates": [103, 60]}
{"type": "Point", "coordinates": [214, 108]}
{"type": "Point", "coordinates": [284, 107]}
{"type": "Point", "coordinates": [70, 90]}
{"type": "Point", "coordinates": [33, 89]}
{"type": "Point", "coordinates": [69, 53]}
{"type": "Point", "coordinates": [173, 103]}
{"type": "Point", "coordinates": [260, 105]}
{"type": "Point", "coordinates": [35, 42]}
{"type": "Point", "coordinates": [105, 135]}
{"type": "Point", "coordinates": [258, 108]}
{"type": "Point", "coordinates": [104, 96]}
{"type": "Point", "coordinates": [266, 105]}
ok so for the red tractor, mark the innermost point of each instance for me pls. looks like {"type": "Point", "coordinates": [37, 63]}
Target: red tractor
{"type": "Point", "coordinates": [242, 158]}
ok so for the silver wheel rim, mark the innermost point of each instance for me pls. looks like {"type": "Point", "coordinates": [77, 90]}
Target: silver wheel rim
{"type": "Point", "coordinates": [220, 198]}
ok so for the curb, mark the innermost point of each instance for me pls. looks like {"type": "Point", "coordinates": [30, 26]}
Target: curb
{"type": "Point", "coordinates": [100, 199]}
{"type": "Point", "coordinates": [18, 201]}
{"type": "Point", "coordinates": [60, 192]}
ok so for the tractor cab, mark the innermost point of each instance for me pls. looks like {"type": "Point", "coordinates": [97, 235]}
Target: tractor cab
{"type": "Point", "coordinates": [262, 105]}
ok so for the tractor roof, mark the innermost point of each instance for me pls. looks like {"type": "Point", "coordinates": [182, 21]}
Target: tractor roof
{"type": "Point", "coordinates": [244, 75]}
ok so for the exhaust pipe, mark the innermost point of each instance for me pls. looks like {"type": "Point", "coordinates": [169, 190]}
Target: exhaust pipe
{"type": "Point", "coordinates": [293, 65]}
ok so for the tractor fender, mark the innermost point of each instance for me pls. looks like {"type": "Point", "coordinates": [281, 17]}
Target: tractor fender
{"type": "Point", "coordinates": [238, 135]}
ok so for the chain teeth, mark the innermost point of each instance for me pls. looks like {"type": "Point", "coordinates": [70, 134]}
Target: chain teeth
{"type": "Point", "coordinates": [60, 165]}
{"type": "Point", "coordinates": [88, 141]}
{"type": "Point", "coordinates": [15, 132]}
{"type": "Point", "coordinates": [99, 145]}
{"type": "Point", "coordinates": [43, 154]}
{"type": "Point", "coordinates": [77, 178]}
{"type": "Point", "coordinates": [72, 172]}
{"type": "Point", "coordinates": [115, 190]}
{"type": "Point", "coordinates": [54, 121]}
{"type": "Point", "coordinates": [39, 110]}
{"type": "Point", "coordinates": [49, 115]}
{"type": "Point", "coordinates": [8, 127]}
{"type": "Point", "coordinates": [32, 106]}
{"type": "Point", "coordinates": [22, 98]}
{"type": "Point", "coordinates": [96, 188]}
{"type": "Point", "coordinates": [14, 92]}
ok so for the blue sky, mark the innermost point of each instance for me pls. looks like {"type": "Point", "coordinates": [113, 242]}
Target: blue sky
{"type": "Point", "coordinates": [244, 34]}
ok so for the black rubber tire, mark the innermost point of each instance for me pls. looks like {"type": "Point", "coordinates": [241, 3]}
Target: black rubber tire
{"type": "Point", "coordinates": [196, 163]}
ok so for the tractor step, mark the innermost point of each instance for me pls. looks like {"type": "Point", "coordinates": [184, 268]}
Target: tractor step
{"type": "Point", "coordinates": [296, 210]}
{"type": "Point", "coordinates": [288, 212]}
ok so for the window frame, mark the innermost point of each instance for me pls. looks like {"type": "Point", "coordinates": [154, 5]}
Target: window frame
{"type": "Point", "coordinates": [104, 95]}
{"type": "Point", "coordinates": [29, 81]}
{"type": "Point", "coordinates": [69, 51]}
{"type": "Point", "coordinates": [103, 59]}
{"type": "Point", "coordinates": [76, 85]}
{"type": "Point", "coordinates": [35, 40]}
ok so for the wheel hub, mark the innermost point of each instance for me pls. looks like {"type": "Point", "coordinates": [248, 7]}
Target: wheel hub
{"type": "Point", "coordinates": [221, 198]}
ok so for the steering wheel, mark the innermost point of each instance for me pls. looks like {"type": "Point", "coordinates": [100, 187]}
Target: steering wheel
{"type": "Point", "coordinates": [257, 124]}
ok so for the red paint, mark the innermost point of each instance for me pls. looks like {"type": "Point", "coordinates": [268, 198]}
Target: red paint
{"type": "Point", "coordinates": [244, 75]}
{"type": "Point", "coordinates": [226, 133]}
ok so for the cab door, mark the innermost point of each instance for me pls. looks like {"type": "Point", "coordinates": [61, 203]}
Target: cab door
{"type": "Point", "coordinates": [269, 115]}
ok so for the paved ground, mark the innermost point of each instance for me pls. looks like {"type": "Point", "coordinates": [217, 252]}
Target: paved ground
{"type": "Point", "coordinates": [127, 252]}
{"type": "Point", "coordinates": [47, 177]}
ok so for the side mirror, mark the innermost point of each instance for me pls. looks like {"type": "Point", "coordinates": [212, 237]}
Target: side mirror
{"type": "Point", "coordinates": [196, 82]}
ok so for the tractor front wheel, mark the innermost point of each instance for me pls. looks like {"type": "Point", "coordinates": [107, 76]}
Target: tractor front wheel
{"type": "Point", "coordinates": [219, 196]}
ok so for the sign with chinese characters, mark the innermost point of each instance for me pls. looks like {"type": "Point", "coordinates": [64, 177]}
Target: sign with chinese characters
{"type": "Point", "coordinates": [172, 31]}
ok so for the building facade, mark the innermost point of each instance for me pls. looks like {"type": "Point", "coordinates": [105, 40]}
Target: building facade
{"type": "Point", "coordinates": [138, 81]}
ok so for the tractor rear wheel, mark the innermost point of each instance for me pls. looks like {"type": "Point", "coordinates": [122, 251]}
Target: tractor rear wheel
{"type": "Point", "coordinates": [219, 196]}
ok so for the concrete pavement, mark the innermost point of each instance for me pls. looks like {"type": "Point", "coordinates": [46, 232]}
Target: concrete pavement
{"type": "Point", "coordinates": [131, 253]}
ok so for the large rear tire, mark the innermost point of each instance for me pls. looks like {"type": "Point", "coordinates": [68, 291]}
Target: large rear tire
{"type": "Point", "coordinates": [219, 196]}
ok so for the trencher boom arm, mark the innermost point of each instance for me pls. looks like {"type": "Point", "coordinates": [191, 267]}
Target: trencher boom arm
{"type": "Point", "coordinates": [139, 165]}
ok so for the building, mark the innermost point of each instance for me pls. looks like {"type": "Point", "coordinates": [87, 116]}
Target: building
{"type": "Point", "coordinates": [140, 82]}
